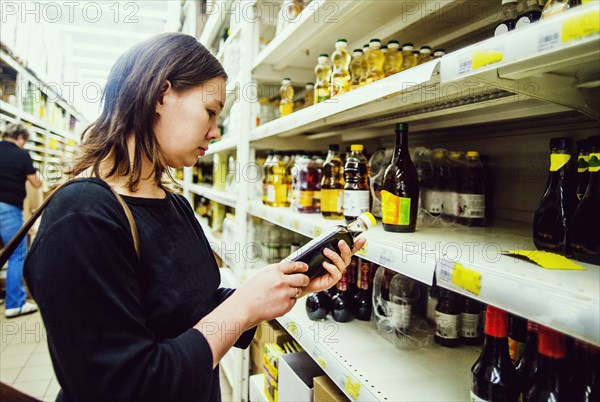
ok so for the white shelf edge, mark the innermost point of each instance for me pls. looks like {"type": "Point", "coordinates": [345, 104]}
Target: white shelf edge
{"type": "Point", "coordinates": [225, 144]}
{"type": "Point", "coordinates": [219, 196]}
{"type": "Point", "coordinates": [567, 300]}
{"type": "Point", "coordinates": [257, 388]}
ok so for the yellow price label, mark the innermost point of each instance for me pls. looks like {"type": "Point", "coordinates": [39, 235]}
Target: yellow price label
{"type": "Point", "coordinates": [466, 278]}
{"type": "Point", "coordinates": [482, 58]}
{"type": "Point", "coordinates": [352, 387]}
{"type": "Point", "coordinates": [292, 328]}
{"type": "Point", "coordinates": [581, 26]}
{"type": "Point", "coordinates": [71, 143]}
{"type": "Point", "coordinates": [317, 230]}
{"type": "Point", "coordinates": [295, 224]}
{"type": "Point", "coordinates": [322, 362]}
{"type": "Point", "coordinates": [548, 260]}
{"type": "Point", "coordinates": [53, 143]}
{"type": "Point", "coordinates": [363, 251]}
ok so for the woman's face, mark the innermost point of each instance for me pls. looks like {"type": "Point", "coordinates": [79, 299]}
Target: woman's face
{"type": "Point", "coordinates": [187, 122]}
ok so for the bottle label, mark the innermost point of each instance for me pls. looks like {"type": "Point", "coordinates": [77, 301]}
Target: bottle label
{"type": "Point", "coordinates": [332, 200]}
{"type": "Point", "coordinates": [446, 325]}
{"type": "Point", "coordinates": [286, 108]}
{"type": "Point", "coordinates": [594, 162]}
{"type": "Point", "coordinates": [395, 210]}
{"type": "Point", "coordinates": [475, 398]}
{"type": "Point", "coordinates": [558, 160]}
{"type": "Point", "coordinates": [470, 326]}
{"type": "Point", "coordinates": [401, 312]}
{"type": "Point", "coordinates": [305, 198]}
{"type": "Point", "coordinates": [434, 200]}
{"type": "Point", "coordinates": [310, 245]}
{"type": "Point", "coordinates": [471, 205]}
{"type": "Point", "coordinates": [522, 22]}
{"type": "Point", "coordinates": [281, 193]}
{"type": "Point", "coordinates": [450, 206]}
{"type": "Point", "coordinates": [583, 164]}
{"type": "Point", "coordinates": [356, 202]}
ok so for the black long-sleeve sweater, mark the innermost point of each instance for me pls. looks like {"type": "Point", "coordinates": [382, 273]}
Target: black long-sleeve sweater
{"type": "Point", "coordinates": [119, 328]}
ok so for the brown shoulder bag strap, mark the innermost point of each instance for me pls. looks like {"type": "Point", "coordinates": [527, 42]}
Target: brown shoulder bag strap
{"type": "Point", "coordinates": [14, 242]}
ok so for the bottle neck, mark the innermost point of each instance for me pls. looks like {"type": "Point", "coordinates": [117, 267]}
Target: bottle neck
{"type": "Point", "coordinates": [559, 161]}
{"type": "Point", "coordinates": [401, 150]}
{"type": "Point", "coordinates": [594, 170]}
{"type": "Point", "coordinates": [356, 227]}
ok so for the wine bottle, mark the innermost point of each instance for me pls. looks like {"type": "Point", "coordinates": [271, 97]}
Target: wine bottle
{"type": "Point", "coordinates": [400, 194]}
{"type": "Point", "coordinates": [555, 210]}
{"type": "Point", "coordinates": [509, 16]}
{"type": "Point", "coordinates": [342, 304]}
{"type": "Point", "coordinates": [470, 323]}
{"type": "Point", "coordinates": [583, 174]}
{"type": "Point", "coordinates": [318, 305]}
{"type": "Point", "coordinates": [447, 319]}
{"type": "Point", "coordinates": [362, 299]}
{"type": "Point", "coordinates": [357, 194]}
{"type": "Point", "coordinates": [586, 375]}
{"type": "Point", "coordinates": [312, 252]}
{"type": "Point", "coordinates": [526, 365]}
{"type": "Point", "coordinates": [517, 336]}
{"type": "Point", "coordinates": [471, 191]}
{"type": "Point", "coordinates": [494, 376]}
{"type": "Point", "coordinates": [550, 383]}
{"type": "Point", "coordinates": [586, 220]}
{"type": "Point", "coordinates": [381, 318]}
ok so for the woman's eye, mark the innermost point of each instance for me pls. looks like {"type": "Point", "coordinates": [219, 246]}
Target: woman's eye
{"type": "Point", "coordinates": [212, 113]}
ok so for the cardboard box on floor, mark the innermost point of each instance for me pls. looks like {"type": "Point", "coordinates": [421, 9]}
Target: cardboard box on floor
{"type": "Point", "coordinates": [325, 390]}
{"type": "Point", "coordinates": [266, 332]}
{"type": "Point", "coordinates": [296, 373]}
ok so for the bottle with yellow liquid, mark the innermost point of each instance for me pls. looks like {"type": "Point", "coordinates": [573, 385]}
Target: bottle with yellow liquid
{"type": "Point", "coordinates": [286, 106]}
{"type": "Point", "coordinates": [356, 68]}
{"type": "Point", "coordinates": [332, 185]}
{"type": "Point", "coordinates": [309, 94]}
{"type": "Point", "coordinates": [365, 64]}
{"type": "Point", "coordinates": [393, 59]}
{"type": "Point", "coordinates": [375, 59]}
{"type": "Point", "coordinates": [277, 191]}
{"type": "Point", "coordinates": [408, 58]}
{"type": "Point", "coordinates": [340, 78]}
{"type": "Point", "coordinates": [554, 7]}
{"type": "Point", "coordinates": [323, 75]}
{"type": "Point", "coordinates": [424, 55]}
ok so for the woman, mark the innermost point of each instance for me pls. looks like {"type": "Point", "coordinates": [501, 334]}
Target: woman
{"type": "Point", "coordinates": [154, 328]}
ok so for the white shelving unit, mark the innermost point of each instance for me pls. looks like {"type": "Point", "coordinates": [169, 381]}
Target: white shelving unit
{"type": "Point", "coordinates": [547, 72]}
{"type": "Point", "coordinates": [257, 386]}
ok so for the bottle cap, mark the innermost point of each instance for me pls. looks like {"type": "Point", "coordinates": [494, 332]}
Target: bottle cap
{"type": "Point", "coordinates": [551, 343]}
{"type": "Point", "coordinates": [341, 40]}
{"type": "Point", "coordinates": [425, 47]}
{"type": "Point", "coordinates": [439, 52]}
{"type": "Point", "coordinates": [357, 51]}
{"type": "Point", "coordinates": [334, 147]}
{"type": "Point", "coordinates": [496, 322]}
{"type": "Point", "coordinates": [310, 84]}
{"type": "Point", "coordinates": [416, 52]}
{"type": "Point", "coordinates": [393, 45]}
{"type": "Point", "coordinates": [401, 127]}
{"type": "Point", "coordinates": [473, 154]}
{"type": "Point", "coordinates": [393, 41]}
{"type": "Point", "coordinates": [368, 219]}
{"type": "Point", "coordinates": [287, 79]}
{"type": "Point", "coordinates": [508, 1]}
{"type": "Point", "coordinates": [323, 55]}
{"type": "Point", "coordinates": [365, 45]}
{"type": "Point", "coordinates": [561, 143]}
{"type": "Point", "coordinates": [357, 147]}
{"type": "Point", "coordinates": [407, 47]}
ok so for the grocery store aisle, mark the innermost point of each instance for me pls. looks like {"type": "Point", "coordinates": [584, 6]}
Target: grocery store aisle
{"type": "Point", "coordinates": [25, 361]}
{"type": "Point", "coordinates": [24, 358]}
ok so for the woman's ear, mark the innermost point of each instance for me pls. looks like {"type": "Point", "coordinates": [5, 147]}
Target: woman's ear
{"type": "Point", "coordinates": [165, 88]}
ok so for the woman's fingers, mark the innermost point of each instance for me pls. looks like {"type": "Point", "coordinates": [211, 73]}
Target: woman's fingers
{"type": "Point", "coordinates": [292, 267]}
{"type": "Point", "coordinates": [358, 244]}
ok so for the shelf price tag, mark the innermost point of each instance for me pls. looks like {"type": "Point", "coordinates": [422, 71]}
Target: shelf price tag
{"type": "Point", "coordinates": [454, 273]}
{"type": "Point", "coordinates": [363, 251]}
{"type": "Point", "coordinates": [295, 224]}
{"type": "Point", "coordinates": [580, 26]}
{"type": "Point", "coordinates": [483, 58]}
{"type": "Point", "coordinates": [322, 362]}
{"type": "Point", "coordinates": [292, 328]}
{"type": "Point", "coordinates": [351, 387]}
{"type": "Point", "coordinates": [317, 230]}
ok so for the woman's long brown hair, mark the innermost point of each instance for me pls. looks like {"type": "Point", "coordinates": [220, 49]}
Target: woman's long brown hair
{"type": "Point", "coordinates": [133, 89]}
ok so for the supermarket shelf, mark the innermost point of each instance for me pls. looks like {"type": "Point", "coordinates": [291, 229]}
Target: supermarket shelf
{"type": "Point", "coordinates": [232, 91]}
{"type": "Point", "coordinates": [213, 240]}
{"type": "Point", "coordinates": [19, 114]}
{"type": "Point", "coordinates": [257, 388]}
{"type": "Point", "coordinates": [215, 195]}
{"type": "Point", "coordinates": [225, 144]}
{"type": "Point", "coordinates": [219, 13]}
{"type": "Point", "coordinates": [554, 60]}
{"type": "Point", "coordinates": [368, 368]}
{"type": "Point", "coordinates": [566, 300]}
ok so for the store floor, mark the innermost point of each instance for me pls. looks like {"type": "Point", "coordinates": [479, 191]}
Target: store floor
{"type": "Point", "coordinates": [25, 361]}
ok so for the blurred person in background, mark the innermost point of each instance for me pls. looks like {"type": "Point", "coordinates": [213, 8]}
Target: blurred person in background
{"type": "Point", "coordinates": [16, 168]}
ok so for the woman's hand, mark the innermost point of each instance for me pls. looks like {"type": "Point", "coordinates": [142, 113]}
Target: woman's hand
{"type": "Point", "coordinates": [271, 292]}
{"type": "Point", "coordinates": [335, 270]}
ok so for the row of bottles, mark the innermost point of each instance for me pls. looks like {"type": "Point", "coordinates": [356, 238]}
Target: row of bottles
{"type": "Point", "coordinates": [544, 370]}
{"type": "Point", "coordinates": [567, 216]}
{"type": "Point", "coordinates": [517, 14]}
